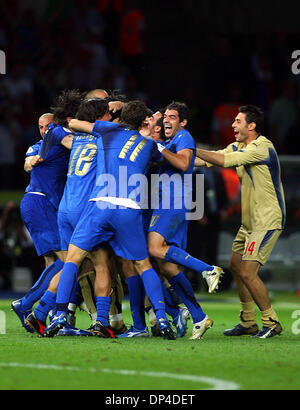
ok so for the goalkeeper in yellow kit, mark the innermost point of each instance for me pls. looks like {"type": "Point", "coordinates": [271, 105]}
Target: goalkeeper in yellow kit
{"type": "Point", "coordinates": [263, 216]}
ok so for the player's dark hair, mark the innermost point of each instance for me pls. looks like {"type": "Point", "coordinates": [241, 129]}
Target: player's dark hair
{"type": "Point", "coordinates": [181, 108]}
{"type": "Point", "coordinates": [253, 114]}
{"type": "Point", "coordinates": [115, 96]}
{"type": "Point", "coordinates": [134, 114]}
{"type": "Point", "coordinates": [66, 105]}
{"type": "Point", "coordinates": [92, 109]}
{"type": "Point", "coordinates": [160, 124]}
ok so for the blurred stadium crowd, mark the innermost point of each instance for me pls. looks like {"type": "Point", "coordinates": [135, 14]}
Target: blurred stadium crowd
{"type": "Point", "coordinates": [154, 51]}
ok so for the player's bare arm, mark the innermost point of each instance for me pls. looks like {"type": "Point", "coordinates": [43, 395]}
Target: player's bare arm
{"type": "Point", "coordinates": [67, 141]}
{"type": "Point", "coordinates": [83, 126]}
{"type": "Point", "coordinates": [212, 157]}
{"type": "Point", "coordinates": [180, 160]}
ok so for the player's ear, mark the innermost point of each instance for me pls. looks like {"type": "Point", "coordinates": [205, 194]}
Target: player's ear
{"type": "Point", "coordinates": [251, 126]}
{"type": "Point", "coordinates": [183, 123]}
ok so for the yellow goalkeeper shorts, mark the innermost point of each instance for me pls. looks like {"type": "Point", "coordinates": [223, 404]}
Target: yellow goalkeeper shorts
{"type": "Point", "coordinates": [255, 246]}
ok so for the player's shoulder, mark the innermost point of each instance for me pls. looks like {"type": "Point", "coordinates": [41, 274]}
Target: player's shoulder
{"type": "Point", "coordinates": [50, 129]}
{"type": "Point", "coordinates": [104, 126]}
{"type": "Point", "coordinates": [235, 146]}
{"type": "Point", "coordinates": [184, 137]}
{"type": "Point", "coordinates": [57, 130]}
{"type": "Point", "coordinates": [34, 149]}
{"type": "Point", "coordinates": [261, 140]}
{"type": "Point", "coordinates": [184, 133]}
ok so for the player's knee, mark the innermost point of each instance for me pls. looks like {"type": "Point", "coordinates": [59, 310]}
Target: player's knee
{"type": "Point", "coordinates": [155, 251]}
{"type": "Point", "coordinates": [49, 259]}
{"type": "Point", "coordinates": [75, 255]}
{"type": "Point", "coordinates": [142, 265]}
{"type": "Point", "coordinates": [245, 275]}
{"type": "Point", "coordinates": [169, 269]}
{"type": "Point", "coordinates": [128, 268]}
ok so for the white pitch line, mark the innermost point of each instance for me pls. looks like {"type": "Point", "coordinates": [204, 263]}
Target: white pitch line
{"type": "Point", "coordinates": [217, 384]}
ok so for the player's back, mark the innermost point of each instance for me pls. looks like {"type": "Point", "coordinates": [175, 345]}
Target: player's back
{"type": "Point", "coordinates": [81, 173]}
{"type": "Point", "coordinates": [123, 158]}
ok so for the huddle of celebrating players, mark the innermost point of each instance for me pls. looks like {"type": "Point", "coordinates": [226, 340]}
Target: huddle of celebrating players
{"type": "Point", "coordinates": [94, 215]}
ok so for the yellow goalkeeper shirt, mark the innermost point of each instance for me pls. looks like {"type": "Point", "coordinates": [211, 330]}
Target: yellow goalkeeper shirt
{"type": "Point", "coordinates": [262, 195]}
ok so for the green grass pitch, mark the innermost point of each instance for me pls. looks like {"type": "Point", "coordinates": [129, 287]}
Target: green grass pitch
{"type": "Point", "coordinates": [215, 362]}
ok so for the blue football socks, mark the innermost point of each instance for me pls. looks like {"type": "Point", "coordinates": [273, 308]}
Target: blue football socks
{"type": "Point", "coordinates": [152, 285]}
{"type": "Point", "coordinates": [103, 308]}
{"type": "Point", "coordinates": [137, 300]}
{"type": "Point", "coordinates": [41, 285]}
{"type": "Point", "coordinates": [46, 303]}
{"type": "Point", "coordinates": [184, 289]}
{"type": "Point", "coordinates": [181, 257]}
{"type": "Point", "coordinates": [67, 282]}
{"type": "Point", "coordinates": [171, 308]}
{"type": "Point", "coordinates": [76, 296]}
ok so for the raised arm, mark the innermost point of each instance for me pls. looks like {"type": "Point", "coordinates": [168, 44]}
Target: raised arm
{"type": "Point", "coordinates": [215, 158]}
{"type": "Point", "coordinates": [83, 126]}
{"type": "Point", "coordinates": [229, 157]}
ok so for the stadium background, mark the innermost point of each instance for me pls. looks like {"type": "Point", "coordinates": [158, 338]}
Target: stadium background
{"type": "Point", "coordinates": [214, 55]}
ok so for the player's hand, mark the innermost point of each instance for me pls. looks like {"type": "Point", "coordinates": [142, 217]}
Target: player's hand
{"type": "Point", "coordinates": [71, 124]}
{"type": "Point", "coordinates": [36, 159]}
{"type": "Point", "coordinates": [115, 106]}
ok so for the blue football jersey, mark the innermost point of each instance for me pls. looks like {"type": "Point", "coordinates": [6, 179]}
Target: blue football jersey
{"type": "Point", "coordinates": [181, 186]}
{"type": "Point", "coordinates": [52, 137]}
{"type": "Point", "coordinates": [182, 140]}
{"type": "Point", "coordinates": [122, 161]}
{"type": "Point", "coordinates": [49, 176]}
{"type": "Point", "coordinates": [81, 173]}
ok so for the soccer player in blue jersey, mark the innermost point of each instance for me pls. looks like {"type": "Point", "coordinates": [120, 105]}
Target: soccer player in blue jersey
{"type": "Point", "coordinates": [40, 203]}
{"type": "Point", "coordinates": [82, 169]}
{"type": "Point", "coordinates": [135, 284]}
{"type": "Point", "coordinates": [86, 278]}
{"type": "Point", "coordinates": [153, 128]}
{"type": "Point", "coordinates": [112, 215]}
{"type": "Point", "coordinates": [80, 181]}
{"type": "Point", "coordinates": [168, 226]}
{"type": "Point", "coordinates": [39, 216]}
